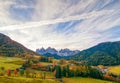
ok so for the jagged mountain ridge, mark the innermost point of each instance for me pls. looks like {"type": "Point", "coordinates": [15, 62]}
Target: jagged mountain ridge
{"type": "Point", "coordinates": [53, 51]}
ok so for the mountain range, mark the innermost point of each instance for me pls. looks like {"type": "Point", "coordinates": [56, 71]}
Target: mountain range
{"type": "Point", "coordinates": [9, 47]}
{"type": "Point", "coordinates": [52, 51]}
{"type": "Point", "coordinates": [107, 53]}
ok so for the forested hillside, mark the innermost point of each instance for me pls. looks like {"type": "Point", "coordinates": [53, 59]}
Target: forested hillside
{"type": "Point", "coordinates": [9, 47]}
{"type": "Point", "coordinates": [107, 53]}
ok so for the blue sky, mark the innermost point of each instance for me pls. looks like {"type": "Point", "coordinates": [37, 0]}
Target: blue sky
{"type": "Point", "coordinates": [73, 24]}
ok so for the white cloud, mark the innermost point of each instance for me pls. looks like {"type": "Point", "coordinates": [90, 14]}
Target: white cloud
{"type": "Point", "coordinates": [96, 15]}
{"type": "Point", "coordinates": [85, 16]}
{"type": "Point", "coordinates": [5, 18]}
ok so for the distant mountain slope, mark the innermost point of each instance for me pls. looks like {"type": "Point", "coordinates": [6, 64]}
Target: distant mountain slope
{"type": "Point", "coordinates": [57, 54]}
{"type": "Point", "coordinates": [107, 53]}
{"type": "Point", "coordinates": [9, 47]}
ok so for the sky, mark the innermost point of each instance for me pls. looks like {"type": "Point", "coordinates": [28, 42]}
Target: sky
{"type": "Point", "coordinates": [73, 24]}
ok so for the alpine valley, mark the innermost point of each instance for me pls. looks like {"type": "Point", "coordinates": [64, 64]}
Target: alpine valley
{"type": "Point", "coordinates": [15, 55]}
{"type": "Point", "coordinates": [107, 53]}
{"type": "Point", "coordinates": [59, 41]}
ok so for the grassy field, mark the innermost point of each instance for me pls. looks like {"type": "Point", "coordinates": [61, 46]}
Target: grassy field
{"type": "Point", "coordinates": [45, 63]}
{"type": "Point", "coordinates": [13, 63]}
{"type": "Point", "coordinates": [83, 80]}
{"type": "Point", "coordinates": [115, 70]}
{"type": "Point", "coordinates": [24, 80]}
{"type": "Point", "coordinates": [48, 75]}
{"type": "Point", "coordinates": [10, 62]}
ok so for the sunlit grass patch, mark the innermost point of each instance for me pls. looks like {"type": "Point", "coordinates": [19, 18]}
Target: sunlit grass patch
{"type": "Point", "coordinates": [115, 70]}
{"type": "Point", "coordinates": [83, 80]}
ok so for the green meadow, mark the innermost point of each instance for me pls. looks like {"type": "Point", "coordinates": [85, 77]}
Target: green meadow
{"type": "Point", "coordinates": [13, 63]}
{"type": "Point", "coordinates": [25, 80]}
{"type": "Point", "coordinates": [10, 62]}
{"type": "Point", "coordinates": [84, 80]}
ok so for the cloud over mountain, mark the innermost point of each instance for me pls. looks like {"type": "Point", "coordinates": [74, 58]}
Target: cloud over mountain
{"type": "Point", "coordinates": [77, 24]}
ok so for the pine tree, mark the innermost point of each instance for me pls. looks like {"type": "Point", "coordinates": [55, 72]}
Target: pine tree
{"type": "Point", "coordinates": [64, 71]}
{"type": "Point", "coordinates": [58, 72]}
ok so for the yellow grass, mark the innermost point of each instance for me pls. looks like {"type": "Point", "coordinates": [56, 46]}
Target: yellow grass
{"type": "Point", "coordinates": [48, 75]}
{"type": "Point", "coordinates": [83, 80]}
{"type": "Point", "coordinates": [25, 80]}
{"type": "Point", "coordinates": [45, 63]}
{"type": "Point", "coordinates": [7, 62]}
{"type": "Point", "coordinates": [115, 70]}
